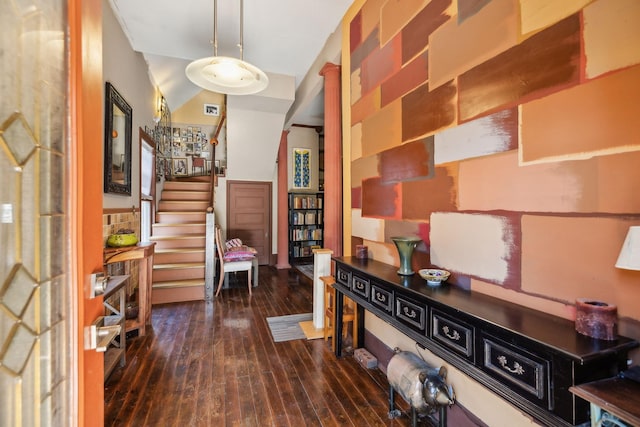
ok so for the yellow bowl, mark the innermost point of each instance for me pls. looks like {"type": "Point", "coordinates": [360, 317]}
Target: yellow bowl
{"type": "Point", "coordinates": [433, 276]}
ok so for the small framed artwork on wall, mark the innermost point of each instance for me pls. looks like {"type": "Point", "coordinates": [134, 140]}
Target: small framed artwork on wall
{"type": "Point", "coordinates": [211, 110]}
{"type": "Point", "coordinates": [179, 167]}
{"type": "Point", "coordinates": [301, 168]}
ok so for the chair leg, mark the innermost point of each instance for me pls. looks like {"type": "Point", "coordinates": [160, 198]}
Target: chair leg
{"type": "Point", "coordinates": [249, 274]}
{"type": "Point", "coordinates": [222, 274]}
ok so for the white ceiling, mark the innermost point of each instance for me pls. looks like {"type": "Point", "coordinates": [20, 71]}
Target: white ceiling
{"type": "Point", "coordinates": [280, 36]}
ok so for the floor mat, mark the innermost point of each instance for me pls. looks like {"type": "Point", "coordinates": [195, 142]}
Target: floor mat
{"type": "Point", "coordinates": [287, 328]}
{"type": "Point", "coordinates": [306, 269]}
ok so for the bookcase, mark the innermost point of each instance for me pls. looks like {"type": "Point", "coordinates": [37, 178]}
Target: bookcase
{"type": "Point", "coordinates": [305, 226]}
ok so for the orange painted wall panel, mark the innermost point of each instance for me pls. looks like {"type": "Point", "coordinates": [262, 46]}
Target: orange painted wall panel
{"type": "Point", "coordinates": [584, 186]}
{"type": "Point", "coordinates": [423, 197]}
{"type": "Point", "coordinates": [380, 200]}
{"type": "Point", "coordinates": [364, 168]}
{"type": "Point", "coordinates": [457, 47]}
{"type": "Point", "coordinates": [604, 117]}
{"type": "Point", "coordinates": [371, 16]}
{"type": "Point", "coordinates": [539, 14]}
{"type": "Point", "coordinates": [382, 130]}
{"type": "Point", "coordinates": [408, 78]}
{"type": "Point", "coordinates": [395, 14]}
{"type": "Point", "coordinates": [608, 50]}
{"type": "Point", "coordinates": [572, 257]}
{"type": "Point", "coordinates": [365, 106]}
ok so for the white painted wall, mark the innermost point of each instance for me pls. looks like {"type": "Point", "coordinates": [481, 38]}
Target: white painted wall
{"type": "Point", "coordinates": [128, 72]}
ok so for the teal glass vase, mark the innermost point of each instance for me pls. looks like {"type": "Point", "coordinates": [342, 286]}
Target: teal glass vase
{"type": "Point", "coordinates": [405, 246]}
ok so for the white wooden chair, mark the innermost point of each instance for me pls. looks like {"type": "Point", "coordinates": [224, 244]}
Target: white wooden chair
{"type": "Point", "coordinates": [230, 266]}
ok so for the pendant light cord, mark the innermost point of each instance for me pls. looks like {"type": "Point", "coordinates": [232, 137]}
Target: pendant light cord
{"type": "Point", "coordinates": [241, 30]}
{"type": "Point", "coordinates": [215, 27]}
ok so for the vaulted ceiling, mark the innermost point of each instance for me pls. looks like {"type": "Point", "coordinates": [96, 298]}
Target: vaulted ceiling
{"type": "Point", "coordinates": [279, 36]}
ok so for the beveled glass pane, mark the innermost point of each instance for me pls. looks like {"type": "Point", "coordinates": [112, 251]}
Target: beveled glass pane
{"type": "Point", "coordinates": [18, 291]}
{"type": "Point", "coordinates": [29, 389]}
{"type": "Point", "coordinates": [9, 215]}
{"type": "Point", "coordinates": [19, 350]}
{"type": "Point", "coordinates": [19, 138]}
{"type": "Point", "coordinates": [8, 386]}
{"type": "Point", "coordinates": [8, 322]}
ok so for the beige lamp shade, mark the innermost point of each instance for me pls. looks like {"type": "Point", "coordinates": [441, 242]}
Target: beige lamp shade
{"type": "Point", "coordinates": [629, 258]}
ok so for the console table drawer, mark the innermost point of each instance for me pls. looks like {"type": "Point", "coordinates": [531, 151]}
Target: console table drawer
{"type": "Point", "coordinates": [343, 277]}
{"type": "Point", "coordinates": [453, 334]}
{"type": "Point", "coordinates": [382, 298]}
{"type": "Point", "coordinates": [360, 286]}
{"type": "Point", "coordinates": [523, 372]}
{"type": "Point", "coordinates": [411, 314]}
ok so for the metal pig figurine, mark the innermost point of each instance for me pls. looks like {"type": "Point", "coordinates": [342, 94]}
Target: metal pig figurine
{"type": "Point", "coordinates": [420, 385]}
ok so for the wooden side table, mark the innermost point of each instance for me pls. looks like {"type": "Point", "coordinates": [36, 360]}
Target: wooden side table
{"type": "Point", "coordinates": [617, 396]}
{"type": "Point", "coordinates": [143, 252]}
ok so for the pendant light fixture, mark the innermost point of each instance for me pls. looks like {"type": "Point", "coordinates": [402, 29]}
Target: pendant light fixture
{"type": "Point", "coordinates": [224, 74]}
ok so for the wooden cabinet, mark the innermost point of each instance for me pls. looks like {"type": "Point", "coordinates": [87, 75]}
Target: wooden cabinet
{"type": "Point", "coordinates": [614, 399]}
{"type": "Point", "coordinates": [529, 358]}
{"type": "Point", "coordinates": [114, 349]}
{"type": "Point", "coordinates": [306, 220]}
{"type": "Point", "coordinates": [143, 252]}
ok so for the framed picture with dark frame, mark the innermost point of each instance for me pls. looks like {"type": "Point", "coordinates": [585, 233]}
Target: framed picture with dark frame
{"type": "Point", "coordinates": [180, 166]}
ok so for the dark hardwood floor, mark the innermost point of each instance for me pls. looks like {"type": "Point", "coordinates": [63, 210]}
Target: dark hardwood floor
{"type": "Point", "coordinates": [215, 364]}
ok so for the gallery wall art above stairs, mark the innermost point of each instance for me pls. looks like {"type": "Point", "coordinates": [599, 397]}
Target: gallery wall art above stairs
{"type": "Point", "coordinates": [179, 233]}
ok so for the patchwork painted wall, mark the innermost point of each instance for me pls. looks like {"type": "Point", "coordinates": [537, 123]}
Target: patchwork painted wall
{"type": "Point", "coordinates": [504, 133]}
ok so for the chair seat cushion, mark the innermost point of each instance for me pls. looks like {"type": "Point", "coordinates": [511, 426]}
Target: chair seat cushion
{"type": "Point", "coordinates": [240, 253]}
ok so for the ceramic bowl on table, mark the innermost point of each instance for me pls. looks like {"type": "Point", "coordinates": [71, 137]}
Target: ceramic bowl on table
{"type": "Point", "coordinates": [434, 276]}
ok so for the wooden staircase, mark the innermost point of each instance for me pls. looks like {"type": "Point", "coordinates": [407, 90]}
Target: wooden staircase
{"type": "Point", "coordinates": [179, 233]}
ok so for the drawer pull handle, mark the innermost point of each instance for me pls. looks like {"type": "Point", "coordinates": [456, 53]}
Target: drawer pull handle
{"type": "Point", "coordinates": [412, 314]}
{"type": "Point", "coordinates": [359, 286]}
{"type": "Point", "coordinates": [454, 336]}
{"type": "Point", "coordinates": [380, 297]}
{"type": "Point", "coordinates": [517, 368]}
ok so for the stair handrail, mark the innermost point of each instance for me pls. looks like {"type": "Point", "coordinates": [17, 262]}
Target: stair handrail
{"type": "Point", "coordinates": [214, 175]}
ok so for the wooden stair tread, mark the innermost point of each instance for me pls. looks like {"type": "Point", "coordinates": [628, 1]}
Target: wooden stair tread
{"type": "Point", "coordinates": [179, 283]}
{"type": "Point", "coordinates": [178, 250]}
{"type": "Point", "coordinates": [178, 265]}
{"type": "Point", "coordinates": [181, 237]}
{"type": "Point", "coordinates": [178, 224]}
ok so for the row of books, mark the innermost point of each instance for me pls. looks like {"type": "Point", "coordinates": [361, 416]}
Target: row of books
{"type": "Point", "coordinates": [305, 218]}
{"type": "Point", "coordinates": [303, 251]}
{"type": "Point", "coordinates": [307, 202]}
{"type": "Point", "coordinates": [306, 234]}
